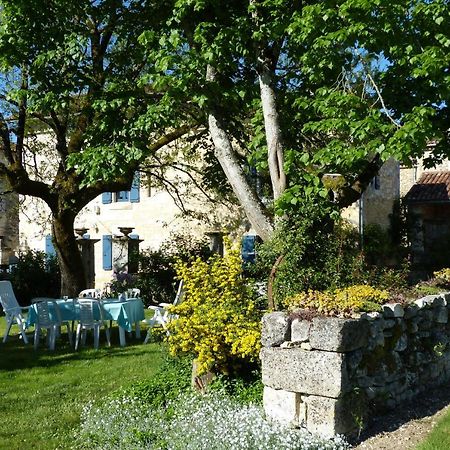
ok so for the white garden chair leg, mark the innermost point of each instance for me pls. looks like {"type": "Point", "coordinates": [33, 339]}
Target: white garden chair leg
{"type": "Point", "coordinates": [77, 338]}
{"type": "Point", "coordinates": [8, 328]}
{"type": "Point", "coordinates": [108, 337]}
{"type": "Point", "coordinates": [21, 324]}
{"type": "Point", "coordinates": [36, 337]}
{"type": "Point", "coordinates": [83, 337]}
{"type": "Point", "coordinates": [96, 336]}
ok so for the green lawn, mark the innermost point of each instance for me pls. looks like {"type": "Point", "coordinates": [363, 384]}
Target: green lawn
{"type": "Point", "coordinates": [439, 438]}
{"type": "Point", "coordinates": [42, 393]}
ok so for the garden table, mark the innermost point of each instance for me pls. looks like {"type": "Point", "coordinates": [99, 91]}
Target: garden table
{"type": "Point", "coordinates": [125, 313]}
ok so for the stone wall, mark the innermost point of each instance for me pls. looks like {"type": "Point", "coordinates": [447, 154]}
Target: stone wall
{"type": "Point", "coordinates": [330, 374]}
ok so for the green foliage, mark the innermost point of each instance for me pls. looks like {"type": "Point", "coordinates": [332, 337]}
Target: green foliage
{"type": "Point", "coordinates": [244, 388]}
{"type": "Point", "coordinates": [218, 321]}
{"type": "Point", "coordinates": [35, 275]}
{"type": "Point", "coordinates": [172, 379]}
{"type": "Point", "coordinates": [156, 273]}
{"type": "Point", "coordinates": [319, 253]}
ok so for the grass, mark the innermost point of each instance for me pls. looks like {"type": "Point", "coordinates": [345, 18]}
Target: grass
{"type": "Point", "coordinates": [439, 437]}
{"type": "Point", "coordinates": [42, 393]}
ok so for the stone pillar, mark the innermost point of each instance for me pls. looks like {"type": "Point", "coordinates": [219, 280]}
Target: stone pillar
{"type": "Point", "coordinates": [124, 251]}
{"type": "Point", "coordinates": [87, 251]}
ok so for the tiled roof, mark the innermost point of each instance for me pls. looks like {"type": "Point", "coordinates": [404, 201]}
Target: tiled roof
{"type": "Point", "coordinates": [431, 187]}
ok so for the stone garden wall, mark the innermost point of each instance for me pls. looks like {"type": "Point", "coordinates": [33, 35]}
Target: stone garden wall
{"type": "Point", "coordinates": [330, 374]}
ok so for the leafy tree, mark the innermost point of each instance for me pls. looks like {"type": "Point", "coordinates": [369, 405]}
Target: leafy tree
{"type": "Point", "coordinates": [310, 88]}
{"type": "Point", "coordinates": [69, 87]}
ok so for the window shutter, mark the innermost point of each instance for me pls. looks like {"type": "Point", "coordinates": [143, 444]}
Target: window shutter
{"type": "Point", "coordinates": [248, 248]}
{"type": "Point", "coordinates": [49, 248]}
{"type": "Point", "coordinates": [107, 252]}
{"type": "Point", "coordinates": [134, 192]}
{"type": "Point", "coordinates": [106, 197]}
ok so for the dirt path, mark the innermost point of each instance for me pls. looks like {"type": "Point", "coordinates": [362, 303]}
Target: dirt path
{"type": "Point", "coordinates": [406, 427]}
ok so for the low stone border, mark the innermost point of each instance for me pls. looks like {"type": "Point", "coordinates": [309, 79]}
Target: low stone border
{"type": "Point", "coordinates": [330, 373]}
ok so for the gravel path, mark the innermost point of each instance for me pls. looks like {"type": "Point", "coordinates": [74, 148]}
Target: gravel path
{"type": "Point", "coordinates": [407, 426]}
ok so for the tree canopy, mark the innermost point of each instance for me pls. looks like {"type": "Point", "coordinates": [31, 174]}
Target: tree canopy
{"type": "Point", "coordinates": [290, 91]}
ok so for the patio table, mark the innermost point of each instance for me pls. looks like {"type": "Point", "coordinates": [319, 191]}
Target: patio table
{"type": "Point", "coordinates": [125, 313]}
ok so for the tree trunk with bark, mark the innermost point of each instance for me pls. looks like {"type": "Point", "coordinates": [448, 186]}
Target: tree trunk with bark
{"type": "Point", "coordinates": [73, 279]}
{"type": "Point", "coordinates": [275, 147]}
{"type": "Point", "coordinates": [253, 207]}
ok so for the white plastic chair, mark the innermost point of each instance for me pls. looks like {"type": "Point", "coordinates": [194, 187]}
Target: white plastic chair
{"type": "Point", "coordinates": [13, 310]}
{"type": "Point", "coordinates": [133, 293]}
{"type": "Point", "coordinates": [90, 293]}
{"type": "Point", "coordinates": [57, 317]}
{"type": "Point", "coordinates": [161, 315]}
{"type": "Point", "coordinates": [44, 321]}
{"type": "Point", "coordinates": [87, 321]}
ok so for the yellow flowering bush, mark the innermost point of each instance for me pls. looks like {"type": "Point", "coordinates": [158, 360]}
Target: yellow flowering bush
{"type": "Point", "coordinates": [443, 275]}
{"type": "Point", "coordinates": [217, 322]}
{"type": "Point", "coordinates": [340, 301]}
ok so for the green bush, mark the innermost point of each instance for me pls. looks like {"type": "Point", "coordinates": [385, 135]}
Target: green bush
{"type": "Point", "coordinates": [156, 274]}
{"type": "Point", "coordinates": [322, 252]}
{"type": "Point", "coordinates": [35, 275]}
{"type": "Point", "coordinates": [172, 380]}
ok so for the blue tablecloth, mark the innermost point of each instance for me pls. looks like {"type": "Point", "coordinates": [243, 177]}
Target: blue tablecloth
{"type": "Point", "coordinates": [125, 313]}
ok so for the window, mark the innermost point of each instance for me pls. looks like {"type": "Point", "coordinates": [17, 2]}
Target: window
{"type": "Point", "coordinates": [124, 196]}
{"type": "Point", "coordinates": [49, 247]}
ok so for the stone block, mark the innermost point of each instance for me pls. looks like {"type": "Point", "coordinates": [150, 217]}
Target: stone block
{"type": "Point", "coordinates": [338, 335]}
{"type": "Point", "coordinates": [402, 343]}
{"type": "Point", "coordinates": [431, 300]}
{"type": "Point", "coordinates": [275, 329]}
{"type": "Point", "coordinates": [300, 330]}
{"type": "Point", "coordinates": [389, 323]}
{"type": "Point", "coordinates": [282, 406]}
{"type": "Point", "coordinates": [308, 372]}
{"type": "Point", "coordinates": [441, 315]}
{"type": "Point", "coordinates": [393, 310]}
{"type": "Point", "coordinates": [411, 311]}
{"type": "Point", "coordinates": [374, 315]}
{"type": "Point", "coordinates": [329, 416]}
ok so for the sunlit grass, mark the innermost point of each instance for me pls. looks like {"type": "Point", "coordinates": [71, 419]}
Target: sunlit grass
{"type": "Point", "coordinates": [42, 393]}
{"type": "Point", "coordinates": [439, 438]}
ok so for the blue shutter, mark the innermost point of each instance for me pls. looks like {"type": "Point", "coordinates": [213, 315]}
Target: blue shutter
{"type": "Point", "coordinates": [134, 192]}
{"type": "Point", "coordinates": [248, 248]}
{"type": "Point", "coordinates": [107, 252]}
{"type": "Point", "coordinates": [49, 248]}
{"type": "Point", "coordinates": [107, 197]}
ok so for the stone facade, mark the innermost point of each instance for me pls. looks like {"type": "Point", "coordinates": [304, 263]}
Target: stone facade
{"type": "Point", "coordinates": [330, 373]}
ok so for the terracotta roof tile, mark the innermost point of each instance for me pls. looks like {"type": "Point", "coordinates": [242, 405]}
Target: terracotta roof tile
{"type": "Point", "coordinates": [431, 187]}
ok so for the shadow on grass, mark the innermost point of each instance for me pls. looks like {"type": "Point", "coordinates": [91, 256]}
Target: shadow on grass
{"type": "Point", "coordinates": [15, 355]}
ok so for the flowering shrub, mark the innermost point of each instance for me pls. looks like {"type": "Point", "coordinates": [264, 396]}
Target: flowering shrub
{"type": "Point", "coordinates": [209, 422]}
{"type": "Point", "coordinates": [120, 282]}
{"type": "Point", "coordinates": [218, 321]}
{"type": "Point", "coordinates": [443, 275]}
{"type": "Point", "coordinates": [340, 301]}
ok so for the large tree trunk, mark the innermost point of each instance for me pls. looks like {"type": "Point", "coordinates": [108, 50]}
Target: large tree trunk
{"type": "Point", "coordinates": [69, 257]}
{"type": "Point", "coordinates": [253, 207]}
{"type": "Point", "coordinates": [275, 150]}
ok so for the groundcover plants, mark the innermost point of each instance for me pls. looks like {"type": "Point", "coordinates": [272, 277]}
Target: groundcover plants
{"type": "Point", "coordinates": [213, 421]}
